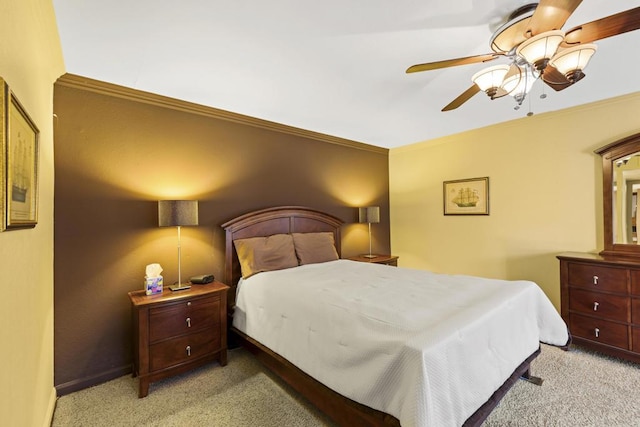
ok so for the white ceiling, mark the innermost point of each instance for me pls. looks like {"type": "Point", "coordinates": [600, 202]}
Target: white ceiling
{"type": "Point", "coordinates": [332, 66]}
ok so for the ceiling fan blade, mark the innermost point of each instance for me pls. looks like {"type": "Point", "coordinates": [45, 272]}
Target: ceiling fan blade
{"type": "Point", "coordinates": [613, 25]}
{"type": "Point", "coordinates": [462, 98]}
{"type": "Point", "coordinates": [551, 15]}
{"type": "Point", "coordinates": [555, 79]}
{"type": "Point", "coordinates": [452, 62]}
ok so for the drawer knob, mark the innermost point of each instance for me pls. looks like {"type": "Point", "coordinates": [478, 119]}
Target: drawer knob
{"type": "Point", "coordinates": [597, 331]}
{"type": "Point", "coordinates": [188, 322]}
{"type": "Point", "coordinates": [188, 350]}
{"type": "Point", "coordinates": [595, 306]}
{"type": "Point", "coordinates": [188, 303]}
{"type": "Point", "coordinates": [595, 280]}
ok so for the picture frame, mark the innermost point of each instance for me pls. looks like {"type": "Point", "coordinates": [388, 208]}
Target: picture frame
{"type": "Point", "coordinates": [20, 146]}
{"type": "Point", "coordinates": [466, 196]}
{"type": "Point", "coordinates": [4, 91]}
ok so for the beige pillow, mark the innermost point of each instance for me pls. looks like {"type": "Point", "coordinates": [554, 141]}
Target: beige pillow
{"type": "Point", "coordinates": [312, 248]}
{"type": "Point", "coordinates": [257, 254]}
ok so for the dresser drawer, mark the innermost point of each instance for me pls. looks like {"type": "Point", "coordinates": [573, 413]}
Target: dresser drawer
{"type": "Point", "coordinates": [635, 282]}
{"type": "Point", "coordinates": [183, 317]}
{"type": "Point", "coordinates": [605, 306]}
{"type": "Point", "coordinates": [183, 349]}
{"type": "Point", "coordinates": [598, 277]}
{"type": "Point", "coordinates": [635, 311]}
{"type": "Point", "coordinates": [635, 336]}
{"type": "Point", "coordinates": [598, 330]}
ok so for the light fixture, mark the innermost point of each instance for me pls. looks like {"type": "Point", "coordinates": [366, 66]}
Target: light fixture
{"type": "Point", "coordinates": [519, 85]}
{"type": "Point", "coordinates": [573, 60]}
{"type": "Point", "coordinates": [369, 215]}
{"type": "Point", "coordinates": [178, 213]}
{"type": "Point", "coordinates": [538, 49]}
{"type": "Point", "coordinates": [490, 79]}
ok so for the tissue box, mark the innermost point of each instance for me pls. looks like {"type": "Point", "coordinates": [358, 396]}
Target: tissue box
{"type": "Point", "coordinates": [153, 285]}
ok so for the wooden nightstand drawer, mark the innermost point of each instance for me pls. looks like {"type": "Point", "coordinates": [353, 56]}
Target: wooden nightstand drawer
{"type": "Point", "coordinates": [605, 306]}
{"type": "Point", "coordinates": [183, 349]}
{"type": "Point", "coordinates": [599, 330]}
{"type": "Point", "coordinates": [598, 277]}
{"type": "Point", "coordinates": [183, 317]}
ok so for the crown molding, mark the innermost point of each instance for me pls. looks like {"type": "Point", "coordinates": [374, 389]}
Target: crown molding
{"type": "Point", "coordinates": [84, 83]}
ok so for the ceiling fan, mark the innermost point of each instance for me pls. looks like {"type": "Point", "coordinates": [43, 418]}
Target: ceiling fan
{"type": "Point", "coordinates": [536, 48]}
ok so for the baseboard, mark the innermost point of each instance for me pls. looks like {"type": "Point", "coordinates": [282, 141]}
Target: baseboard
{"type": "Point", "coordinates": [82, 383]}
{"type": "Point", "coordinates": [51, 408]}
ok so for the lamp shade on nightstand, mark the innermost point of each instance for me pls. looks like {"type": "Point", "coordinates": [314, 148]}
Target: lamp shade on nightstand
{"type": "Point", "coordinates": [177, 213]}
{"type": "Point", "coordinates": [369, 215]}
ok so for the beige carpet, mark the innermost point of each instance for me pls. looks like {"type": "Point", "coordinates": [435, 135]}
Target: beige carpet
{"type": "Point", "coordinates": [580, 389]}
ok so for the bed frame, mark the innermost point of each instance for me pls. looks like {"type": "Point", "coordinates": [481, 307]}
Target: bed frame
{"type": "Point", "coordinates": [344, 411]}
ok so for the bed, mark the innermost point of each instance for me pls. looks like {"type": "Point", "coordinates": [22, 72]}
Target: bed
{"type": "Point", "coordinates": [356, 339]}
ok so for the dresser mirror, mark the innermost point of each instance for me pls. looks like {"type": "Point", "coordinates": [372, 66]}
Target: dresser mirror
{"type": "Point", "coordinates": [621, 185]}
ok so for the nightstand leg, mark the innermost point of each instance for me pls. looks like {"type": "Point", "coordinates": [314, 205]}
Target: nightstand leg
{"type": "Point", "coordinates": [143, 388]}
{"type": "Point", "coordinates": [223, 358]}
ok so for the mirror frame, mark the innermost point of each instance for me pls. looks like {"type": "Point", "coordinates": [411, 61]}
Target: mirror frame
{"type": "Point", "coordinates": [610, 153]}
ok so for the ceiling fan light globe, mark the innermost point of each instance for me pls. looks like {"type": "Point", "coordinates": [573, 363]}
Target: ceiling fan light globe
{"type": "Point", "coordinates": [490, 79]}
{"type": "Point", "coordinates": [518, 85]}
{"type": "Point", "coordinates": [538, 49]}
{"type": "Point", "coordinates": [572, 61]}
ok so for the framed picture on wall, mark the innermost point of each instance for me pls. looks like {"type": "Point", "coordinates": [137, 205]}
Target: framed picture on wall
{"type": "Point", "coordinates": [20, 149]}
{"type": "Point", "coordinates": [4, 91]}
{"type": "Point", "coordinates": [466, 196]}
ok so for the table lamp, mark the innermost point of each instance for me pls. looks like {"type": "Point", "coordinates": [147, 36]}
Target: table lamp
{"type": "Point", "coordinates": [178, 213]}
{"type": "Point", "coordinates": [369, 215]}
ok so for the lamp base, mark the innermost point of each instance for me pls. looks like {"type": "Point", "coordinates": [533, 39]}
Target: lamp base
{"type": "Point", "coordinates": [179, 287]}
{"type": "Point", "coordinates": [369, 256]}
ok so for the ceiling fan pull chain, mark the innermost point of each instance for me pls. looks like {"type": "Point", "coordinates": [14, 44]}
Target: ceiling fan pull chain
{"type": "Point", "coordinates": [530, 113]}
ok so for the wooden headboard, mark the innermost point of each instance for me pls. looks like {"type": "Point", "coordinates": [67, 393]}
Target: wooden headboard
{"type": "Point", "coordinates": [265, 222]}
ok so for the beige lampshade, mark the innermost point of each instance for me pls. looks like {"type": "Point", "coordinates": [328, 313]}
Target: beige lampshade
{"type": "Point", "coordinates": [172, 213]}
{"type": "Point", "coordinates": [370, 214]}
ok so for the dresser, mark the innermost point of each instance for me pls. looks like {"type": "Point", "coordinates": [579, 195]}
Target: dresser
{"type": "Point", "coordinates": [174, 332]}
{"type": "Point", "coordinates": [600, 302]}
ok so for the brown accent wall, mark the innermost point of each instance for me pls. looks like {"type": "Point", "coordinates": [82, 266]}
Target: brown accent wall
{"type": "Point", "coordinates": [117, 151]}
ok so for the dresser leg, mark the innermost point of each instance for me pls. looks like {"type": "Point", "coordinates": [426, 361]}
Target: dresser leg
{"type": "Point", "coordinates": [223, 358]}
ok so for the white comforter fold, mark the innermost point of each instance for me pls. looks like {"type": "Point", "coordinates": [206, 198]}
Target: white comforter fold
{"type": "Point", "coordinates": [427, 348]}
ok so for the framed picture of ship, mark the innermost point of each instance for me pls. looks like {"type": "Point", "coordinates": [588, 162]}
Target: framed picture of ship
{"type": "Point", "coordinates": [4, 92]}
{"type": "Point", "coordinates": [20, 140]}
{"type": "Point", "coordinates": [466, 196]}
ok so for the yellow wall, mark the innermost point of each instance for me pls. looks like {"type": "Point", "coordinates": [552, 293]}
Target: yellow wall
{"type": "Point", "coordinates": [30, 62]}
{"type": "Point", "coordinates": [545, 193]}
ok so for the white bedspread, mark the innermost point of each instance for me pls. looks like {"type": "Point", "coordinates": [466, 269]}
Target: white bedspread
{"type": "Point", "coordinates": [427, 348]}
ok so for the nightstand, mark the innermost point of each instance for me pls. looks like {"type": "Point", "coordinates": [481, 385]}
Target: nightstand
{"type": "Point", "coordinates": [379, 259]}
{"type": "Point", "coordinates": [174, 332]}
